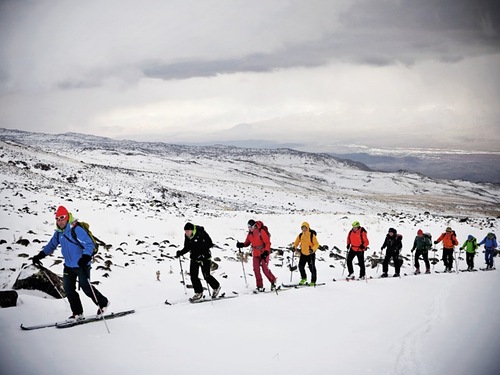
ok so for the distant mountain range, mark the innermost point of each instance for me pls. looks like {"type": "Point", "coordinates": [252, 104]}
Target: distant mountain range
{"type": "Point", "coordinates": [180, 177]}
{"type": "Point", "coordinates": [468, 167]}
{"type": "Point", "coordinates": [435, 163]}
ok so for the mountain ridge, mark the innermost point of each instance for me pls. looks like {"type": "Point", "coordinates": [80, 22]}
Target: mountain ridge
{"type": "Point", "coordinates": [214, 177]}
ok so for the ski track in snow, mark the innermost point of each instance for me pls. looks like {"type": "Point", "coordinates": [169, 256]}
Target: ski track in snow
{"type": "Point", "coordinates": [409, 359]}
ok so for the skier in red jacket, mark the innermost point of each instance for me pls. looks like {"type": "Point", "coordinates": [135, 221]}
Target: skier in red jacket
{"type": "Point", "coordinates": [357, 243]}
{"type": "Point", "coordinates": [261, 248]}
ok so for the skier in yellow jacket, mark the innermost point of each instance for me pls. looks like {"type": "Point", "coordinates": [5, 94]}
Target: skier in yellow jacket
{"type": "Point", "coordinates": [308, 246]}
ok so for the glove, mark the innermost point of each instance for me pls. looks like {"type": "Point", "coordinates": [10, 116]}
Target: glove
{"type": "Point", "coordinates": [178, 254]}
{"type": "Point", "coordinates": [361, 247]}
{"type": "Point", "coordinates": [239, 244]}
{"type": "Point", "coordinates": [435, 242]}
{"type": "Point", "coordinates": [84, 261]}
{"type": "Point", "coordinates": [310, 251]}
{"type": "Point", "coordinates": [37, 259]}
{"type": "Point", "coordinates": [348, 247]}
{"type": "Point", "coordinates": [412, 250]}
{"type": "Point", "coordinates": [264, 255]}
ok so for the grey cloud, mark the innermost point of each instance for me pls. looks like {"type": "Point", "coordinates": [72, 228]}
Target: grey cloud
{"type": "Point", "coordinates": [376, 33]}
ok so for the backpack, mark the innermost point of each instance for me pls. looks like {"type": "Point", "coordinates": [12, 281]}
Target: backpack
{"type": "Point", "coordinates": [428, 236]}
{"type": "Point", "coordinates": [473, 241]}
{"type": "Point", "coordinates": [400, 240]}
{"type": "Point", "coordinates": [361, 231]}
{"type": "Point", "coordinates": [313, 233]}
{"type": "Point", "coordinates": [264, 228]}
{"type": "Point", "coordinates": [86, 227]}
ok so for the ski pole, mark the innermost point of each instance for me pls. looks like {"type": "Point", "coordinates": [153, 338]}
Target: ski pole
{"type": "Point", "coordinates": [456, 259]}
{"type": "Point", "coordinates": [95, 298]}
{"type": "Point", "coordinates": [51, 282]}
{"type": "Point", "coordinates": [205, 271]}
{"type": "Point", "coordinates": [366, 276]}
{"type": "Point", "coordinates": [397, 259]}
{"type": "Point", "coordinates": [378, 263]}
{"type": "Point", "coordinates": [345, 261]}
{"type": "Point", "coordinates": [291, 266]}
{"type": "Point", "coordinates": [182, 274]}
{"type": "Point", "coordinates": [87, 274]}
{"type": "Point", "coordinates": [243, 267]}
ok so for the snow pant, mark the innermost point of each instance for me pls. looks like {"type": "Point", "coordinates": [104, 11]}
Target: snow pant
{"type": "Point", "coordinates": [310, 260]}
{"type": "Point", "coordinates": [361, 262]}
{"type": "Point", "coordinates": [448, 258]}
{"type": "Point", "coordinates": [70, 275]}
{"type": "Point", "coordinates": [394, 254]}
{"type": "Point", "coordinates": [194, 270]}
{"type": "Point", "coordinates": [489, 253]}
{"type": "Point", "coordinates": [425, 257]}
{"type": "Point", "coordinates": [264, 263]}
{"type": "Point", "coordinates": [469, 258]}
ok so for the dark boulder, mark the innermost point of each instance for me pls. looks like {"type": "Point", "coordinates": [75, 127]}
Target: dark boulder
{"type": "Point", "coordinates": [42, 279]}
{"type": "Point", "coordinates": [8, 298]}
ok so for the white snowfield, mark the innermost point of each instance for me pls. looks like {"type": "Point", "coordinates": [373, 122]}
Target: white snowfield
{"type": "Point", "coordinates": [137, 197]}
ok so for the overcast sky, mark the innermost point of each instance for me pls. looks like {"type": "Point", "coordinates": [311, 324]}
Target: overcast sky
{"type": "Point", "coordinates": [399, 73]}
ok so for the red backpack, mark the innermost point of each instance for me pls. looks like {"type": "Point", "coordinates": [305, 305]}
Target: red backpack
{"type": "Point", "coordinates": [261, 226]}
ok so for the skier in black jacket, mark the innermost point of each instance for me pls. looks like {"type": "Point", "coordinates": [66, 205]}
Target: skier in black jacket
{"type": "Point", "coordinates": [198, 242]}
{"type": "Point", "coordinates": [394, 245]}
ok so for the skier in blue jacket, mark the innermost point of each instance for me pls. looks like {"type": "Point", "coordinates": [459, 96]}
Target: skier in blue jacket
{"type": "Point", "coordinates": [490, 244]}
{"type": "Point", "coordinates": [77, 257]}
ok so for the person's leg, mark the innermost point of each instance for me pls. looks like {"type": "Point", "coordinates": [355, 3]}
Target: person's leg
{"type": "Point", "coordinates": [302, 266]}
{"type": "Point", "coordinates": [90, 290]}
{"type": "Point", "coordinates": [69, 283]}
{"type": "Point", "coordinates": [312, 267]}
{"type": "Point", "coordinates": [361, 260]}
{"type": "Point", "coordinates": [265, 268]}
{"type": "Point", "coordinates": [205, 269]}
{"type": "Point", "coordinates": [194, 268]}
{"type": "Point", "coordinates": [256, 271]}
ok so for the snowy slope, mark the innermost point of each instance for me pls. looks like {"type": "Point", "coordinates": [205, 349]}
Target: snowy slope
{"type": "Point", "coordinates": [138, 196]}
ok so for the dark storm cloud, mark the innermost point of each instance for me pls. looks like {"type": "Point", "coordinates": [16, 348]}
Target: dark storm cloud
{"type": "Point", "coordinates": [376, 33]}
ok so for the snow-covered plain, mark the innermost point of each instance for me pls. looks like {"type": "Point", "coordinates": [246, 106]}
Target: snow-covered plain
{"type": "Point", "coordinates": [138, 197]}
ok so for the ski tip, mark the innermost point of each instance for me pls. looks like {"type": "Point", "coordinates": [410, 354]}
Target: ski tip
{"type": "Point", "coordinates": [167, 303]}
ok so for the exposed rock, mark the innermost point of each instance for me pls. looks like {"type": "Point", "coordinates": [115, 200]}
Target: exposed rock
{"type": "Point", "coordinates": [32, 278]}
{"type": "Point", "coordinates": [8, 298]}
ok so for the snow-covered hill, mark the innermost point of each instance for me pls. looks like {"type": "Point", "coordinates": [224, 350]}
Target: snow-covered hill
{"type": "Point", "coordinates": [137, 197]}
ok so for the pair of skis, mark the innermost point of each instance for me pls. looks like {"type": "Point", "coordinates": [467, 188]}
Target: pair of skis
{"type": "Point", "coordinates": [73, 322]}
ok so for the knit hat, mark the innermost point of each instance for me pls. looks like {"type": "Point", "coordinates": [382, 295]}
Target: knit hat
{"type": "Point", "coordinates": [189, 226]}
{"type": "Point", "coordinates": [420, 232]}
{"type": "Point", "coordinates": [62, 211]}
{"type": "Point", "coordinates": [448, 229]}
{"type": "Point", "coordinates": [392, 230]}
{"type": "Point", "coordinates": [356, 224]}
{"type": "Point", "coordinates": [251, 222]}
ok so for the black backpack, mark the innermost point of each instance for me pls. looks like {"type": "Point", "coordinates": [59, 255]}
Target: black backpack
{"type": "Point", "coordinates": [313, 233]}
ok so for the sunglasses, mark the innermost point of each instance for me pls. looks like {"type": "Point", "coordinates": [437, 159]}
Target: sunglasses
{"type": "Point", "coordinates": [61, 217]}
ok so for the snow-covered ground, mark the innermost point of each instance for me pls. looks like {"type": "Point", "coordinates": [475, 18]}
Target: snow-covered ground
{"type": "Point", "coordinates": [426, 324]}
